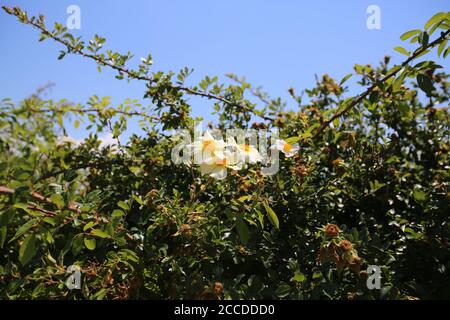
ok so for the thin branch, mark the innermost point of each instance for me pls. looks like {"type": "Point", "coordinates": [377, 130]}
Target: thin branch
{"type": "Point", "coordinates": [41, 198]}
{"type": "Point", "coordinates": [94, 110]}
{"type": "Point", "coordinates": [361, 96]}
{"type": "Point", "coordinates": [44, 211]}
{"type": "Point", "coordinates": [122, 70]}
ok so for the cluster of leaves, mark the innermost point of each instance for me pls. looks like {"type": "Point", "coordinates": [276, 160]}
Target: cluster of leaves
{"type": "Point", "coordinates": [140, 227]}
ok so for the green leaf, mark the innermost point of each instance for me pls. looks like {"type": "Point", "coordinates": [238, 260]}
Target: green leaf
{"type": "Point", "coordinates": [49, 237]}
{"type": "Point", "coordinates": [419, 195]}
{"type": "Point", "coordinates": [100, 294]}
{"type": "Point", "coordinates": [24, 228]}
{"type": "Point", "coordinates": [283, 290]}
{"type": "Point", "coordinates": [272, 216]}
{"type": "Point", "coordinates": [374, 96]}
{"type": "Point", "coordinates": [77, 244]}
{"type": "Point", "coordinates": [50, 220]}
{"type": "Point", "coordinates": [27, 249]}
{"type": "Point", "coordinates": [392, 159]}
{"type": "Point", "coordinates": [292, 140]}
{"type": "Point", "coordinates": [61, 55]}
{"type": "Point", "coordinates": [244, 198]}
{"type": "Point", "coordinates": [58, 200]}
{"type": "Point", "coordinates": [89, 225]}
{"type": "Point", "coordinates": [348, 76]}
{"type": "Point", "coordinates": [402, 51]}
{"type": "Point", "coordinates": [425, 83]}
{"type": "Point", "coordinates": [434, 19]}
{"type": "Point", "coordinates": [3, 232]}
{"type": "Point", "coordinates": [385, 291]}
{"type": "Point", "coordinates": [435, 26]}
{"type": "Point", "coordinates": [117, 213]}
{"type": "Point", "coordinates": [123, 205]}
{"type": "Point", "coordinates": [242, 230]}
{"type": "Point", "coordinates": [260, 218]}
{"type": "Point", "coordinates": [442, 47]}
{"type": "Point", "coordinates": [100, 233]}
{"type": "Point", "coordinates": [336, 122]}
{"type": "Point", "coordinates": [423, 39]}
{"type": "Point", "coordinates": [6, 217]}
{"type": "Point", "coordinates": [90, 243]}
{"type": "Point", "coordinates": [299, 277]}
{"type": "Point", "coordinates": [446, 52]}
{"type": "Point", "coordinates": [22, 206]}
{"type": "Point", "coordinates": [409, 34]}
{"type": "Point", "coordinates": [135, 170]}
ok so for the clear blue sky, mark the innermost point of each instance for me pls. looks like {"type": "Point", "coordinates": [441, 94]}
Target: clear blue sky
{"type": "Point", "coordinates": [276, 44]}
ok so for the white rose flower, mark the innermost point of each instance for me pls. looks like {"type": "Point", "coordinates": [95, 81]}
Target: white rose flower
{"type": "Point", "coordinates": [245, 152]}
{"type": "Point", "coordinates": [217, 166]}
{"type": "Point", "coordinates": [206, 147]}
{"type": "Point", "coordinates": [288, 149]}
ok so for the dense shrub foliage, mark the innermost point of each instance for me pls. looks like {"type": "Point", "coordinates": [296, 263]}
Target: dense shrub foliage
{"type": "Point", "coordinates": [369, 186]}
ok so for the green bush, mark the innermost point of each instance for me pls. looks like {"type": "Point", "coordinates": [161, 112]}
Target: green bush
{"type": "Point", "coordinates": [369, 186]}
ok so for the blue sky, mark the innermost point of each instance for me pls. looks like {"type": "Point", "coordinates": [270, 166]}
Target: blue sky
{"type": "Point", "coordinates": [276, 44]}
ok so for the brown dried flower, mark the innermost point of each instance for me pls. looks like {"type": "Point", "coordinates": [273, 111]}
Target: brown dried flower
{"type": "Point", "coordinates": [218, 288]}
{"type": "Point", "coordinates": [346, 245]}
{"type": "Point", "coordinates": [331, 230]}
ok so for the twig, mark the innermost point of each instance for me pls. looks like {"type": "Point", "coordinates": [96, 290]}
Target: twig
{"type": "Point", "coordinates": [131, 74]}
{"type": "Point", "coordinates": [41, 198]}
{"type": "Point", "coordinates": [94, 110]}
{"type": "Point", "coordinates": [361, 96]}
